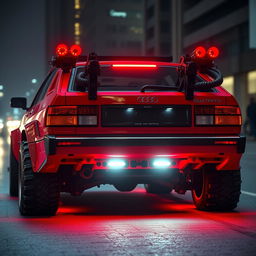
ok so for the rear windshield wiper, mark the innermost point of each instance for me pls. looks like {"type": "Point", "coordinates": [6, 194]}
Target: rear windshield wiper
{"type": "Point", "coordinates": [157, 87]}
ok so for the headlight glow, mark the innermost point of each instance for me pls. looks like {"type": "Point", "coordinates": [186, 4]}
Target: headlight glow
{"type": "Point", "coordinates": [161, 163]}
{"type": "Point", "coordinates": [116, 163]}
{"type": "Point", "coordinates": [129, 110]}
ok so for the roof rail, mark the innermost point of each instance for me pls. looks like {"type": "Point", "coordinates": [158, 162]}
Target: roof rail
{"type": "Point", "coordinates": [129, 58]}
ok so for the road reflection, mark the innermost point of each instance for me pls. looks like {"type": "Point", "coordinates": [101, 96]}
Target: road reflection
{"type": "Point", "coordinates": [103, 219]}
{"type": "Point", "coordinates": [128, 211]}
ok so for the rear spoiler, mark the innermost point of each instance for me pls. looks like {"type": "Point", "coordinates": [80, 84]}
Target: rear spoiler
{"type": "Point", "coordinates": [129, 58]}
{"type": "Point", "coordinates": [68, 62]}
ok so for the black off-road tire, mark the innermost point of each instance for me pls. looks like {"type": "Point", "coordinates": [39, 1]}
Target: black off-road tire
{"type": "Point", "coordinates": [13, 175]}
{"type": "Point", "coordinates": [216, 190]}
{"type": "Point", "coordinates": [154, 188]}
{"type": "Point", "coordinates": [38, 192]}
{"type": "Point", "coordinates": [125, 186]}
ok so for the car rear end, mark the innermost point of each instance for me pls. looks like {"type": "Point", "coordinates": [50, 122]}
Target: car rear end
{"type": "Point", "coordinates": [130, 137]}
{"type": "Point", "coordinates": [126, 121]}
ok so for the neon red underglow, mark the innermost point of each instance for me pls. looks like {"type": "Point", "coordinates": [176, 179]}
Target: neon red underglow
{"type": "Point", "coordinates": [61, 49]}
{"type": "Point", "coordinates": [213, 52]}
{"type": "Point", "coordinates": [75, 50]}
{"type": "Point", "coordinates": [200, 52]}
{"type": "Point", "coordinates": [134, 66]}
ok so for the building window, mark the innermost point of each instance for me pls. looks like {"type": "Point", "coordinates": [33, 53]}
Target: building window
{"type": "Point", "coordinates": [111, 44]}
{"type": "Point", "coordinates": [111, 28]}
{"type": "Point", "coordinates": [77, 32]}
{"type": "Point", "coordinates": [150, 12]}
{"type": "Point", "coordinates": [150, 52]}
{"type": "Point", "coordinates": [122, 29]}
{"type": "Point", "coordinates": [252, 82]}
{"type": "Point", "coordinates": [165, 48]}
{"type": "Point", "coordinates": [228, 84]}
{"type": "Point", "coordinates": [134, 44]}
{"type": "Point", "coordinates": [77, 4]}
{"type": "Point", "coordinates": [165, 26]}
{"type": "Point", "coordinates": [165, 5]}
{"type": "Point", "coordinates": [77, 29]}
{"type": "Point", "coordinates": [136, 30]}
{"type": "Point", "coordinates": [150, 33]}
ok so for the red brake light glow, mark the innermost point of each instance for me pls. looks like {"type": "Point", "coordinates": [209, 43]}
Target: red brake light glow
{"type": "Point", "coordinates": [200, 52]}
{"type": "Point", "coordinates": [134, 66]}
{"type": "Point", "coordinates": [213, 52]}
{"type": "Point", "coordinates": [75, 50]}
{"type": "Point", "coordinates": [61, 50]}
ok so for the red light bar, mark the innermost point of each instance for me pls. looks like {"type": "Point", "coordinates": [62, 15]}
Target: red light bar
{"type": "Point", "coordinates": [213, 52]}
{"type": "Point", "coordinates": [75, 50]}
{"type": "Point", "coordinates": [134, 66]}
{"type": "Point", "coordinates": [200, 52]}
{"type": "Point", "coordinates": [61, 50]}
{"type": "Point", "coordinates": [226, 142]}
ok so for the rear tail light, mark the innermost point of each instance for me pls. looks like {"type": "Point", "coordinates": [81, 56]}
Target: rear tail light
{"type": "Point", "coordinates": [75, 50]}
{"type": "Point", "coordinates": [204, 120]}
{"type": "Point", "coordinates": [217, 116]}
{"type": "Point", "coordinates": [72, 116]}
{"type": "Point", "coordinates": [225, 142]}
{"type": "Point", "coordinates": [200, 52]}
{"type": "Point", "coordinates": [228, 120]}
{"type": "Point", "coordinates": [61, 120]}
{"type": "Point", "coordinates": [213, 52]}
{"type": "Point", "coordinates": [61, 50]}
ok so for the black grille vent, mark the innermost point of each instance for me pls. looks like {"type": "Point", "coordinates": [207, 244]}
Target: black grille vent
{"type": "Point", "coordinates": [146, 115]}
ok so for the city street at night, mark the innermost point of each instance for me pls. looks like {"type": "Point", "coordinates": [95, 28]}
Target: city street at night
{"type": "Point", "coordinates": [106, 222]}
{"type": "Point", "coordinates": [128, 128]}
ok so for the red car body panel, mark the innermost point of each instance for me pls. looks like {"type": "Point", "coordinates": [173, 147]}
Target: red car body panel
{"type": "Point", "coordinates": [33, 126]}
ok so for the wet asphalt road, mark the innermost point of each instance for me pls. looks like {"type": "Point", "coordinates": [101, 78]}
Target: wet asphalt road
{"type": "Point", "coordinates": [106, 222]}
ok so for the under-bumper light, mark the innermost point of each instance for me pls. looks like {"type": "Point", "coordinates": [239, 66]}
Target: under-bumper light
{"type": "Point", "coordinates": [116, 163]}
{"type": "Point", "coordinates": [129, 110]}
{"type": "Point", "coordinates": [168, 110]}
{"type": "Point", "coordinates": [161, 163]}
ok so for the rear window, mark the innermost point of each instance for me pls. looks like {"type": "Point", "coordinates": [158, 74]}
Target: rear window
{"type": "Point", "coordinates": [126, 79]}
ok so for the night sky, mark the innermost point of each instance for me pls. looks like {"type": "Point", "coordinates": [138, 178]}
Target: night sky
{"type": "Point", "coordinates": [22, 44]}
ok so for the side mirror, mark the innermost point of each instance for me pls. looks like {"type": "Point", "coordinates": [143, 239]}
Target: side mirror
{"type": "Point", "coordinates": [19, 102]}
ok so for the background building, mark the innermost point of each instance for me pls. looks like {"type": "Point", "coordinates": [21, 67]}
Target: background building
{"type": "Point", "coordinates": [109, 27]}
{"type": "Point", "coordinates": [223, 23]}
{"type": "Point", "coordinates": [60, 22]}
{"type": "Point", "coordinates": [163, 28]}
{"type": "Point", "coordinates": [22, 44]}
{"type": "Point", "coordinates": [112, 27]}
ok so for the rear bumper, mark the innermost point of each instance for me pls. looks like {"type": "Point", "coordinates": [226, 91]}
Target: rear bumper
{"type": "Point", "coordinates": [52, 142]}
{"type": "Point", "coordinates": [52, 153]}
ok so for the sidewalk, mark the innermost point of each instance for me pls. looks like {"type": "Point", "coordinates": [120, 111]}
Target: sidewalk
{"type": "Point", "coordinates": [250, 146]}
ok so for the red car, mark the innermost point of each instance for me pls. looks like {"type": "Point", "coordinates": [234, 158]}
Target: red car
{"type": "Point", "coordinates": [126, 121]}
